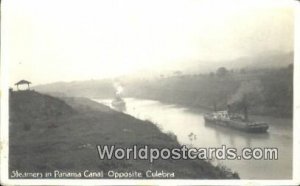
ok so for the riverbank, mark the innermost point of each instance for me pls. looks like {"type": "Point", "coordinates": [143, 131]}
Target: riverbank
{"type": "Point", "coordinates": [259, 91]}
{"type": "Point", "coordinates": [191, 130]}
{"type": "Point", "coordinates": [48, 134]}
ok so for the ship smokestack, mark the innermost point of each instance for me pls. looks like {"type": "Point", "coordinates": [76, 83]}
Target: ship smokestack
{"type": "Point", "coordinates": [246, 112]}
{"type": "Point", "coordinates": [215, 106]}
{"type": "Point", "coordinates": [228, 108]}
{"type": "Point", "coordinates": [245, 107]}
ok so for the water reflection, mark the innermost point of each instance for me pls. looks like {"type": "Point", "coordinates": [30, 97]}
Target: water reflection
{"type": "Point", "coordinates": [189, 127]}
{"type": "Point", "coordinates": [234, 135]}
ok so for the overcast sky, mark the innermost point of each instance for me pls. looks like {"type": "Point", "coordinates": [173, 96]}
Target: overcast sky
{"type": "Point", "coordinates": [65, 40]}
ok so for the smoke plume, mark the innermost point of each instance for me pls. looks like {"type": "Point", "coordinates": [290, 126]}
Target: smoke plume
{"type": "Point", "coordinates": [246, 88]}
{"type": "Point", "coordinates": [118, 88]}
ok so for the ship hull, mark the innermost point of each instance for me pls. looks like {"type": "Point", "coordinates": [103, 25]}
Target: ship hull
{"type": "Point", "coordinates": [238, 125]}
{"type": "Point", "coordinates": [119, 105]}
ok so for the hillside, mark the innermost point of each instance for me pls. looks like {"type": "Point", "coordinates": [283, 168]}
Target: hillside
{"type": "Point", "coordinates": [264, 91]}
{"type": "Point", "coordinates": [48, 134]}
{"type": "Point", "coordinates": [269, 91]}
{"type": "Point", "coordinates": [27, 108]}
{"type": "Point", "coordinates": [103, 88]}
{"type": "Point", "coordinates": [91, 88]}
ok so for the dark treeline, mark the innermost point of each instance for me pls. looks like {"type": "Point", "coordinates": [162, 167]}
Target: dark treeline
{"type": "Point", "coordinates": [263, 91]}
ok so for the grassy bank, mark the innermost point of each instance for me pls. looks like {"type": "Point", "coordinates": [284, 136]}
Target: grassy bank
{"type": "Point", "coordinates": [48, 134]}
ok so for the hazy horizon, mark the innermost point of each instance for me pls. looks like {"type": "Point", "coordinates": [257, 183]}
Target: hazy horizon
{"type": "Point", "coordinates": [52, 41]}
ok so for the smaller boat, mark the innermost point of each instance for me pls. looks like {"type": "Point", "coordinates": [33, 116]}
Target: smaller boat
{"type": "Point", "coordinates": [118, 104]}
{"type": "Point", "coordinates": [235, 121]}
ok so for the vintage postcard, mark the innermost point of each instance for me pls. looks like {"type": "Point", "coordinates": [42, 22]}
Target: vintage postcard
{"type": "Point", "coordinates": [147, 92]}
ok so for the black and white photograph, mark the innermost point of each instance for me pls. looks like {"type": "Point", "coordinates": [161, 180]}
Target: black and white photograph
{"type": "Point", "coordinates": [149, 92]}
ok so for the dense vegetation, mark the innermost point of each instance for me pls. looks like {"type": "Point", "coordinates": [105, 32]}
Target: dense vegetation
{"type": "Point", "coordinates": [263, 91]}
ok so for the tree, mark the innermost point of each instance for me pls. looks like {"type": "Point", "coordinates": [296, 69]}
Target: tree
{"type": "Point", "coordinates": [222, 72]}
{"type": "Point", "coordinates": [177, 73]}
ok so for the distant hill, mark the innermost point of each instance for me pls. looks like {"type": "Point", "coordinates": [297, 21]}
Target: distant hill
{"type": "Point", "coordinates": [269, 59]}
{"type": "Point", "coordinates": [104, 88]}
{"type": "Point", "coordinates": [91, 88]}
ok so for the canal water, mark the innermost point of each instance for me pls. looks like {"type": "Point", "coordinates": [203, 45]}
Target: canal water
{"type": "Point", "coordinates": [189, 127]}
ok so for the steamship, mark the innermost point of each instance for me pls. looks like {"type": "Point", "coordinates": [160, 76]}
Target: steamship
{"type": "Point", "coordinates": [118, 103]}
{"type": "Point", "coordinates": [235, 121]}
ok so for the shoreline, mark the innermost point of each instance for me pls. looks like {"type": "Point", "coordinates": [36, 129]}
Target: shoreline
{"type": "Point", "coordinates": [196, 109]}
